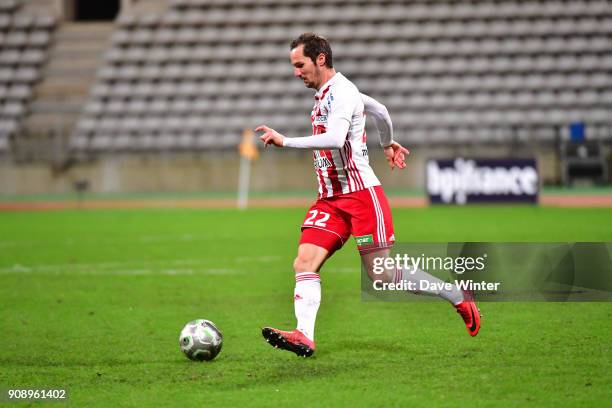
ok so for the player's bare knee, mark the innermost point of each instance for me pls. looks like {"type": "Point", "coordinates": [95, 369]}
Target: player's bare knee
{"type": "Point", "coordinates": [304, 263]}
{"type": "Point", "coordinates": [373, 263]}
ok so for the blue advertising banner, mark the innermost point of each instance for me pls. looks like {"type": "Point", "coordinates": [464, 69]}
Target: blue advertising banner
{"type": "Point", "coordinates": [465, 181]}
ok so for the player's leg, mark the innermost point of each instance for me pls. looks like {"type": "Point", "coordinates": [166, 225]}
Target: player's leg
{"type": "Point", "coordinates": [307, 292]}
{"type": "Point", "coordinates": [373, 220]}
{"type": "Point", "coordinates": [323, 232]}
{"type": "Point", "coordinates": [462, 301]}
{"type": "Point", "coordinates": [306, 301]}
{"type": "Point", "coordinates": [393, 274]}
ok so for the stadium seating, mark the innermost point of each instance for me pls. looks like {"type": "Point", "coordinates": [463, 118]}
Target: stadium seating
{"type": "Point", "coordinates": [24, 40]}
{"type": "Point", "coordinates": [481, 71]}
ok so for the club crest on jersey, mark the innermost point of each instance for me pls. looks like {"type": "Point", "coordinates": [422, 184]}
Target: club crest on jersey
{"type": "Point", "coordinates": [322, 163]}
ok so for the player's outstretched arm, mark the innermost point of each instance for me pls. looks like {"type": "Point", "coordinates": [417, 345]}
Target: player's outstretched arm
{"type": "Point", "coordinates": [334, 138]}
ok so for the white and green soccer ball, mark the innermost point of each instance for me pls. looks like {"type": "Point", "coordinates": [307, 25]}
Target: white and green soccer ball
{"type": "Point", "coordinates": [201, 340]}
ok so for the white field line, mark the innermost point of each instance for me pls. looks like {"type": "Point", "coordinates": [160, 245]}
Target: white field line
{"type": "Point", "coordinates": [120, 271]}
{"type": "Point", "coordinates": [143, 239]}
{"type": "Point", "coordinates": [158, 267]}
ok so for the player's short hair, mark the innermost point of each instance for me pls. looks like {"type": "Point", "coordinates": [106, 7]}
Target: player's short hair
{"type": "Point", "coordinates": [313, 46]}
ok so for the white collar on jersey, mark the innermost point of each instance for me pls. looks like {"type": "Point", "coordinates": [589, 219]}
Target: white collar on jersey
{"type": "Point", "coordinates": [326, 85]}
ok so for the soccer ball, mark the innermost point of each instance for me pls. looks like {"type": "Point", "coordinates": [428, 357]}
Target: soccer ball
{"type": "Point", "coordinates": [200, 340]}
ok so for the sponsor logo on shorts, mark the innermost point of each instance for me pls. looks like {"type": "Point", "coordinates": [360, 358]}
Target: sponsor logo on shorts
{"type": "Point", "coordinates": [364, 240]}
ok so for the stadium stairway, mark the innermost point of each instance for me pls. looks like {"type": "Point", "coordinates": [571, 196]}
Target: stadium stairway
{"type": "Point", "coordinates": [68, 76]}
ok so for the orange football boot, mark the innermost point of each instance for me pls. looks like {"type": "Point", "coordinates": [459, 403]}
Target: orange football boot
{"type": "Point", "coordinates": [293, 341]}
{"type": "Point", "coordinates": [470, 314]}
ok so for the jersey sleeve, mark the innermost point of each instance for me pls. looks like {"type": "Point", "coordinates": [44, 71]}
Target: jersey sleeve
{"type": "Point", "coordinates": [382, 120]}
{"type": "Point", "coordinates": [334, 138]}
{"type": "Point", "coordinates": [344, 103]}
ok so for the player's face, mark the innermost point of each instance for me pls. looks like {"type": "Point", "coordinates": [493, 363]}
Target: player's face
{"type": "Point", "coordinates": [304, 68]}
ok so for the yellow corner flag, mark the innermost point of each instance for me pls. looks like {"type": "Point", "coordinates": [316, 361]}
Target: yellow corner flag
{"type": "Point", "coordinates": [248, 148]}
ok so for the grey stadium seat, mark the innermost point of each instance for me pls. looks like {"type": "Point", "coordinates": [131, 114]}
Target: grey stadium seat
{"type": "Point", "coordinates": [457, 70]}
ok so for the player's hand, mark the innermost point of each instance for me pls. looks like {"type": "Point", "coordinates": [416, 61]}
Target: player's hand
{"type": "Point", "coordinates": [270, 136]}
{"type": "Point", "coordinates": [396, 155]}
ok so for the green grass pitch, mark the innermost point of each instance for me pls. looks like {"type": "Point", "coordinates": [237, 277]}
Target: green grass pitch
{"type": "Point", "coordinates": [93, 301]}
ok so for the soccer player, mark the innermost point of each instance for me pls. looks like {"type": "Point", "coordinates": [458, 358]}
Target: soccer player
{"type": "Point", "coordinates": [351, 200]}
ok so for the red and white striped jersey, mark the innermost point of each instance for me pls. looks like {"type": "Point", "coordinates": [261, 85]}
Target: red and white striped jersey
{"type": "Point", "coordinates": [345, 170]}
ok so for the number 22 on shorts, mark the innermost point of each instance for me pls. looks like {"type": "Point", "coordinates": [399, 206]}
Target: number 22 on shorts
{"type": "Point", "coordinates": [321, 222]}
